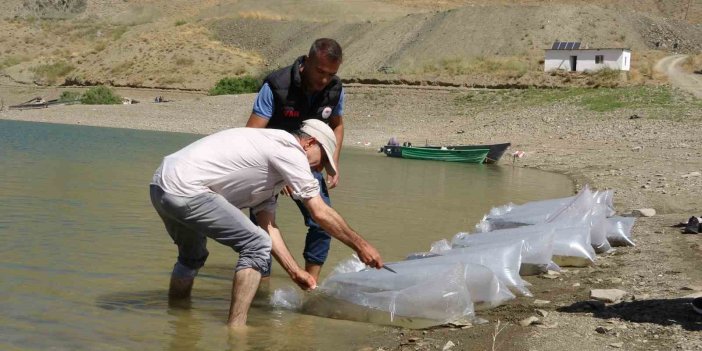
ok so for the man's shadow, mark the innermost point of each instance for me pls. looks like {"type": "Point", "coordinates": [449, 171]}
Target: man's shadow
{"type": "Point", "coordinates": [664, 312]}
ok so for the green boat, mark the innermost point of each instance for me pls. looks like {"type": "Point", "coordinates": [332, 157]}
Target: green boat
{"type": "Point", "coordinates": [444, 154]}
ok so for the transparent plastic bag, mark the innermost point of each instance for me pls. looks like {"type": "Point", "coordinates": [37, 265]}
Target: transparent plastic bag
{"type": "Point", "coordinates": [485, 288]}
{"type": "Point", "coordinates": [606, 198]}
{"type": "Point", "coordinates": [586, 206]}
{"type": "Point", "coordinates": [512, 216]}
{"type": "Point", "coordinates": [589, 209]}
{"type": "Point", "coordinates": [537, 249]}
{"type": "Point", "coordinates": [503, 259]}
{"type": "Point", "coordinates": [572, 246]}
{"type": "Point", "coordinates": [619, 230]}
{"type": "Point", "coordinates": [413, 297]}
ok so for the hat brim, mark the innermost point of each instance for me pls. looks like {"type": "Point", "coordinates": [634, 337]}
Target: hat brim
{"type": "Point", "coordinates": [330, 166]}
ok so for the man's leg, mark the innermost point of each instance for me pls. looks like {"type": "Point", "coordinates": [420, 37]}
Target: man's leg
{"type": "Point", "coordinates": [182, 279]}
{"type": "Point", "coordinates": [212, 214]}
{"type": "Point", "coordinates": [244, 288]}
{"type": "Point", "coordinates": [226, 224]}
{"type": "Point", "coordinates": [318, 240]}
{"type": "Point", "coordinates": [265, 284]}
{"type": "Point", "coordinates": [192, 249]}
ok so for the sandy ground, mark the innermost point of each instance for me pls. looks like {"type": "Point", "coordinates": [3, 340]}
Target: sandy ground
{"type": "Point", "coordinates": [649, 161]}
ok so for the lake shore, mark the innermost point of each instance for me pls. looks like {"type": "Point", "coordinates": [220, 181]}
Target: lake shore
{"type": "Point", "coordinates": [648, 154]}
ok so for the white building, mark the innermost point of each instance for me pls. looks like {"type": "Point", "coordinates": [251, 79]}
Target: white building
{"type": "Point", "coordinates": [570, 57]}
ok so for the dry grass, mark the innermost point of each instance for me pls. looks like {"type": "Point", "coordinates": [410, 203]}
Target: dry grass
{"type": "Point", "coordinates": [122, 68]}
{"type": "Point", "coordinates": [498, 329]}
{"type": "Point", "coordinates": [693, 63]}
{"type": "Point", "coordinates": [51, 72]}
{"type": "Point", "coordinates": [510, 67]}
{"type": "Point", "coordinates": [99, 48]}
{"type": "Point", "coordinates": [11, 60]}
{"type": "Point", "coordinates": [260, 15]}
{"type": "Point", "coordinates": [642, 64]}
{"type": "Point", "coordinates": [184, 61]}
{"type": "Point", "coordinates": [172, 80]}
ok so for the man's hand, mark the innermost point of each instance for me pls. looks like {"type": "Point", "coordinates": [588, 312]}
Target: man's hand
{"type": "Point", "coordinates": [286, 190]}
{"type": "Point", "coordinates": [304, 280]}
{"type": "Point", "coordinates": [332, 180]}
{"type": "Point", "coordinates": [370, 256]}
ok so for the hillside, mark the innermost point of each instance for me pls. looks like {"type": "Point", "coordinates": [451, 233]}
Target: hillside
{"type": "Point", "coordinates": [190, 45]}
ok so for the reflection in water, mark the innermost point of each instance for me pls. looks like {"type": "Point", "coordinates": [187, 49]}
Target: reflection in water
{"type": "Point", "coordinates": [136, 300]}
{"type": "Point", "coordinates": [85, 260]}
{"type": "Point", "coordinates": [185, 330]}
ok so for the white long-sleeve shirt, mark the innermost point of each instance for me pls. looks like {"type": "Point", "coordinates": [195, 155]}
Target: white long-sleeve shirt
{"type": "Point", "coordinates": [247, 166]}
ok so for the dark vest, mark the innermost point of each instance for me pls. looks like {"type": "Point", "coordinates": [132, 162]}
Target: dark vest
{"type": "Point", "coordinates": [290, 104]}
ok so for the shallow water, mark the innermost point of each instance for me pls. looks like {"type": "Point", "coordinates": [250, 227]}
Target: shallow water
{"type": "Point", "coordinates": [85, 260]}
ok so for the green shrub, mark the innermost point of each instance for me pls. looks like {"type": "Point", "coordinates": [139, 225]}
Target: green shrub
{"type": "Point", "coordinates": [100, 95]}
{"type": "Point", "coordinates": [180, 23]}
{"type": "Point", "coordinates": [68, 96]}
{"type": "Point", "coordinates": [236, 85]}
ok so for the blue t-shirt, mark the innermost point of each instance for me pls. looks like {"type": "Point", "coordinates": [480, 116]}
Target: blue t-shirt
{"type": "Point", "coordinates": [263, 106]}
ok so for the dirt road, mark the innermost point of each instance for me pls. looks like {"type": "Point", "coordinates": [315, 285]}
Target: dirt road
{"type": "Point", "coordinates": [670, 65]}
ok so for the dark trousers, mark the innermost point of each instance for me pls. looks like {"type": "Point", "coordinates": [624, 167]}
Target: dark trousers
{"type": "Point", "coordinates": [317, 241]}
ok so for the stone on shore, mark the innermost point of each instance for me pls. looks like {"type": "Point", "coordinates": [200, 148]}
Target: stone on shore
{"type": "Point", "coordinates": [643, 212]}
{"type": "Point", "coordinates": [607, 295]}
{"type": "Point", "coordinates": [528, 321]}
{"type": "Point", "coordinates": [448, 346]}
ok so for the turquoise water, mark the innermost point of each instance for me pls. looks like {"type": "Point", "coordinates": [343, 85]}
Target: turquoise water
{"type": "Point", "coordinates": [85, 260]}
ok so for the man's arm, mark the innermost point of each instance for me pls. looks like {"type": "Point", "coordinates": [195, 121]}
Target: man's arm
{"type": "Point", "coordinates": [337, 125]}
{"type": "Point", "coordinates": [335, 225]}
{"type": "Point", "coordinates": [262, 109]}
{"type": "Point", "coordinates": [281, 253]}
{"type": "Point", "coordinates": [256, 121]}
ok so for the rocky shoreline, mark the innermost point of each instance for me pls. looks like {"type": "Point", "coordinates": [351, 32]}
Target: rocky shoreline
{"type": "Point", "coordinates": [649, 156]}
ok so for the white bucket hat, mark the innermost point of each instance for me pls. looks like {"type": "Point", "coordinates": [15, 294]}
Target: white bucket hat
{"type": "Point", "coordinates": [326, 138]}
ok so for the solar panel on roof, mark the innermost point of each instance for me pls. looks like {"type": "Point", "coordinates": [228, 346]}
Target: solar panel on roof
{"type": "Point", "coordinates": [565, 45]}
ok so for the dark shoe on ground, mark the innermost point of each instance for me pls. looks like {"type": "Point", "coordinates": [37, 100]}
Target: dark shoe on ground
{"type": "Point", "coordinates": [697, 305]}
{"type": "Point", "coordinates": [693, 226]}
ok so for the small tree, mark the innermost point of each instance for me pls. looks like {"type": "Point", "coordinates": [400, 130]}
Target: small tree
{"type": "Point", "coordinates": [69, 96]}
{"type": "Point", "coordinates": [100, 95]}
{"type": "Point", "coordinates": [236, 85]}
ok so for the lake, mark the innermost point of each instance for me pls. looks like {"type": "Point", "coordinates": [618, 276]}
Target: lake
{"type": "Point", "coordinates": [85, 260]}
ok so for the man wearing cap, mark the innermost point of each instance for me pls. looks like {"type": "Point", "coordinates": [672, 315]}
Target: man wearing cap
{"type": "Point", "coordinates": [199, 191]}
{"type": "Point", "coordinates": [308, 89]}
